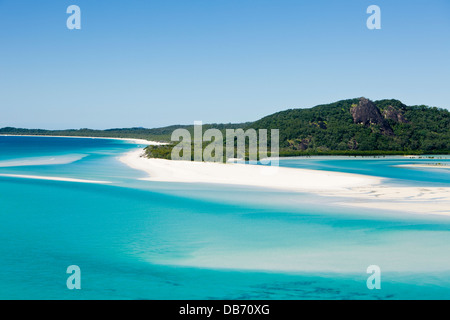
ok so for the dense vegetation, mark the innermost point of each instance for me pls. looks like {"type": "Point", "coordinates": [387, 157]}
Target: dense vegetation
{"type": "Point", "coordinates": [349, 127]}
{"type": "Point", "coordinates": [332, 129]}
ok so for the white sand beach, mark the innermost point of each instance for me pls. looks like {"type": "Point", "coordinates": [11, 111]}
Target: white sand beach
{"type": "Point", "coordinates": [349, 189]}
{"type": "Point", "coordinates": [289, 179]}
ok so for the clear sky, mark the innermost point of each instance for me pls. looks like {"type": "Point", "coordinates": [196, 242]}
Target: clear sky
{"type": "Point", "coordinates": [155, 63]}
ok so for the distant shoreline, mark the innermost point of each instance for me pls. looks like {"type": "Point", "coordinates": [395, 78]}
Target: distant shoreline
{"type": "Point", "coordinates": [132, 140]}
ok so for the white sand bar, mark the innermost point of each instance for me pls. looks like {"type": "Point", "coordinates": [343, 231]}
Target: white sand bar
{"type": "Point", "coordinates": [23, 176]}
{"type": "Point", "coordinates": [423, 200]}
{"type": "Point", "coordinates": [425, 165]}
{"type": "Point", "coordinates": [349, 189]}
{"type": "Point", "coordinates": [290, 179]}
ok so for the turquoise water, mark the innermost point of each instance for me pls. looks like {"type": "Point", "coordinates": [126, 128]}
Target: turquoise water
{"type": "Point", "coordinates": [147, 240]}
{"type": "Point", "coordinates": [385, 166]}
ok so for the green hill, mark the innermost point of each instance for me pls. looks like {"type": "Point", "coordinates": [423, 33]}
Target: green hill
{"type": "Point", "coordinates": [354, 126]}
{"type": "Point", "coordinates": [360, 125]}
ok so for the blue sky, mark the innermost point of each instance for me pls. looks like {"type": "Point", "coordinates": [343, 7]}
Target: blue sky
{"type": "Point", "coordinates": [156, 63]}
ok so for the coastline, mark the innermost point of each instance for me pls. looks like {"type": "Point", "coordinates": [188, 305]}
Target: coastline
{"type": "Point", "coordinates": [349, 189]}
{"type": "Point", "coordinates": [288, 179]}
{"type": "Point", "coordinates": [131, 140]}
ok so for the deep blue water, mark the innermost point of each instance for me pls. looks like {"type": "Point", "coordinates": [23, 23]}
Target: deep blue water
{"type": "Point", "coordinates": [147, 240]}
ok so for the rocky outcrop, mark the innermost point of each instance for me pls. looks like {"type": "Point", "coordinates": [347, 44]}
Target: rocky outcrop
{"type": "Point", "coordinates": [367, 114]}
{"type": "Point", "coordinates": [394, 114]}
{"type": "Point", "coordinates": [303, 144]}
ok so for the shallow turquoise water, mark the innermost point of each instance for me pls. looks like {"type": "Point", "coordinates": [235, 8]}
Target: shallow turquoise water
{"type": "Point", "coordinates": [383, 167]}
{"type": "Point", "coordinates": [147, 240]}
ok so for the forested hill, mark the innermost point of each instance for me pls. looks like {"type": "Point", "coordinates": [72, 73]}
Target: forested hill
{"type": "Point", "coordinates": [354, 126]}
{"type": "Point", "coordinates": [362, 125]}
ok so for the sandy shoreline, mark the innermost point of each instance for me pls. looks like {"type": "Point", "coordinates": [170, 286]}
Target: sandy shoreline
{"type": "Point", "coordinates": [349, 189]}
{"type": "Point", "coordinates": [288, 179]}
{"type": "Point", "coordinates": [131, 140]}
